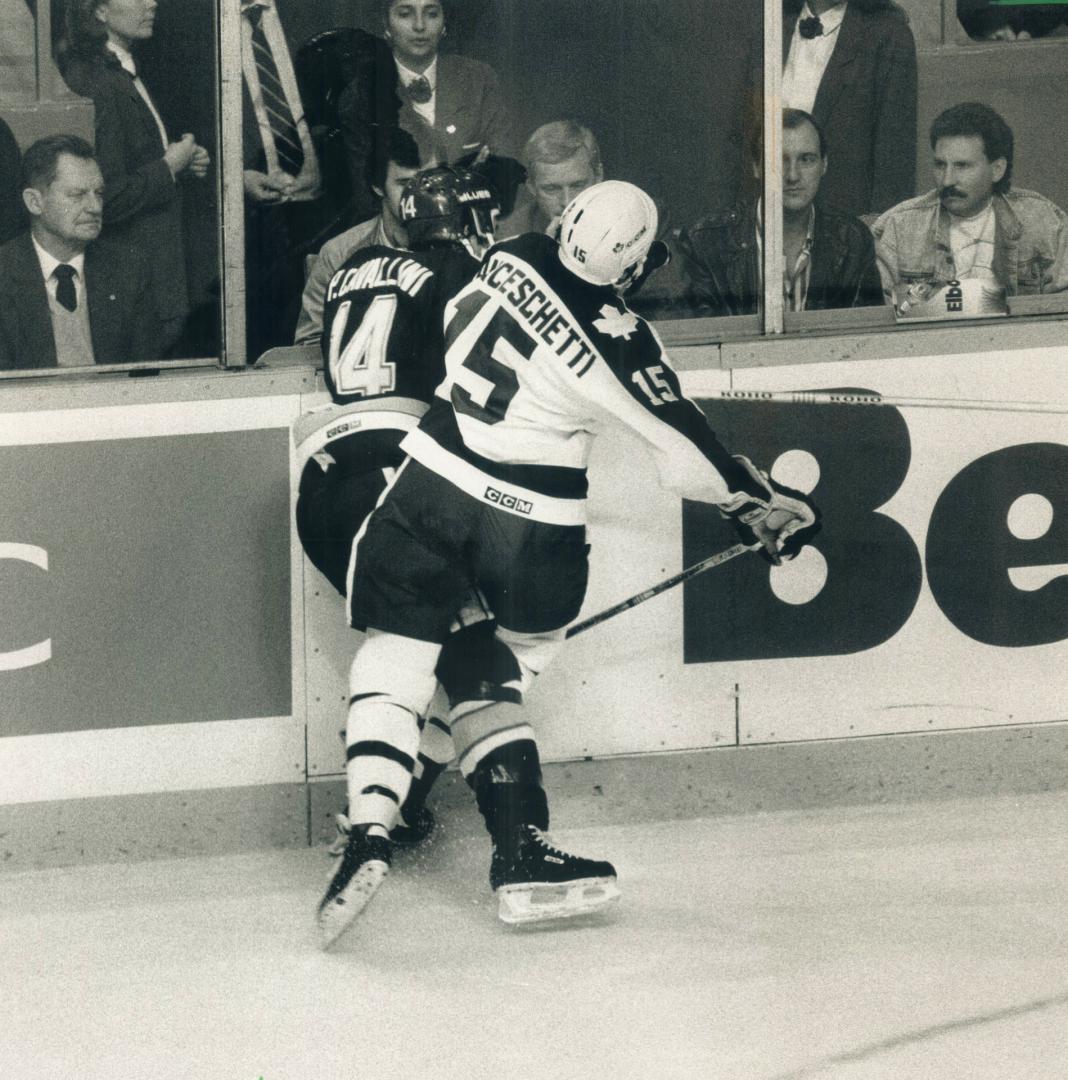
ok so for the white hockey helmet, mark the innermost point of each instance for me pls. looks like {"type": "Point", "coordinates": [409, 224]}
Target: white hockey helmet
{"type": "Point", "coordinates": [605, 233]}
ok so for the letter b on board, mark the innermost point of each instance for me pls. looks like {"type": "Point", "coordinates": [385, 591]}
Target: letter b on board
{"type": "Point", "coordinates": [873, 571]}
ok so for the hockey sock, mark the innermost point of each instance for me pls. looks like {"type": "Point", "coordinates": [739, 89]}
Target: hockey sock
{"type": "Point", "coordinates": [391, 683]}
{"type": "Point", "coordinates": [507, 786]}
{"type": "Point", "coordinates": [383, 741]}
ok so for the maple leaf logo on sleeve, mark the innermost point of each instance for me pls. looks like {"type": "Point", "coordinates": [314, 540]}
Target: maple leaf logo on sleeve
{"type": "Point", "coordinates": [616, 323]}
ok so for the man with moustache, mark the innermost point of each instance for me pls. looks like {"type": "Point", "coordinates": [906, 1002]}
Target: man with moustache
{"type": "Point", "coordinates": [973, 224]}
{"type": "Point", "coordinates": [717, 269]}
{"type": "Point", "coordinates": [67, 298]}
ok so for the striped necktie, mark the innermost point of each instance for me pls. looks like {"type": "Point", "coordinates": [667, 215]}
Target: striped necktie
{"type": "Point", "coordinates": [279, 114]}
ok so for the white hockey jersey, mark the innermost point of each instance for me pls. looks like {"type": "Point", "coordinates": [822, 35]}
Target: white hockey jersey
{"type": "Point", "coordinates": [537, 362]}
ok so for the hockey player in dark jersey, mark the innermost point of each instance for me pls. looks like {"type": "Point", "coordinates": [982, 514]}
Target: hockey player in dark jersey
{"type": "Point", "coordinates": [383, 351]}
{"type": "Point", "coordinates": [541, 353]}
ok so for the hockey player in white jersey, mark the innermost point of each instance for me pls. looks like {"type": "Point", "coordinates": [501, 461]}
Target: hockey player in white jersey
{"type": "Point", "coordinates": [541, 354]}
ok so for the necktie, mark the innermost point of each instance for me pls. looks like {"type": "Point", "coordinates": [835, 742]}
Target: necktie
{"type": "Point", "coordinates": [810, 28]}
{"type": "Point", "coordinates": [279, 114]}
{"type": "Point", "coordinates": [65, 293]}
{"type": "Point", "coordinates": [418, 90]}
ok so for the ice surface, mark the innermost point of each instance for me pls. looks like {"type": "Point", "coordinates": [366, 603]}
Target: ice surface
{"type": "Point", "coordinates": [910, 942]}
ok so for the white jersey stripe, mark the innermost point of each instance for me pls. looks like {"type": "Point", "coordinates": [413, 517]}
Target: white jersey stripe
{"type": "Point", "coordinates": [314, 431]}
{"type": "Point", "coordinates": [513, 499]}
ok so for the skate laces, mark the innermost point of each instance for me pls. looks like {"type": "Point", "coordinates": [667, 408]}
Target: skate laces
{"type": "Point", "coordinates": [545, 841]}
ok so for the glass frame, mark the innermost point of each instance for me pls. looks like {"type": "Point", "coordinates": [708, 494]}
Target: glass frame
{"type": "Point", "coordinates": [703, 336]}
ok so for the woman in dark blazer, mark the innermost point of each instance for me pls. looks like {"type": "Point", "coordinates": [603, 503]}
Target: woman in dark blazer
{"type": "Point", "coordinates": [12, 220]}
{"type": "Point", "coordinates": [141, 165]}
{"type": "Point", "coordinates": [469, 110]}
{"type": "Point", "coordinates": [866, 104]}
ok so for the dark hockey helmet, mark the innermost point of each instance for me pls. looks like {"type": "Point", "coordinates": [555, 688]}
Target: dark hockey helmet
{"type": "Point", "coordinates": [449, 205]}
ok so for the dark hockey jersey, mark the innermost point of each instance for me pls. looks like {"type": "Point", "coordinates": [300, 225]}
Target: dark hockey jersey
{"type": "Point", "coordinates": [383, 319]}
{"type": "Point", "coordinates": [383, 353]}
{"type": "Point", "coordinates": [537, 361]}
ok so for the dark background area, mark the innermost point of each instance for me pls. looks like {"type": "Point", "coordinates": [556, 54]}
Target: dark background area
{"type": "Point", "coordinates": [660, 82]}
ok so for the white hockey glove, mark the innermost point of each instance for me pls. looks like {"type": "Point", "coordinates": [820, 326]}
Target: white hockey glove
{"type": "Point", "coordinates": [782, 523]}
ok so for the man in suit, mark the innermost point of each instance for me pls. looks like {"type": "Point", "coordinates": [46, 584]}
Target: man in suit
{"type": "Point", "coordinates": [282, 178]}
{"type": "Point", "coordinates": [68, 299]}
{"type": "Point", "coordinates": [852, 65]}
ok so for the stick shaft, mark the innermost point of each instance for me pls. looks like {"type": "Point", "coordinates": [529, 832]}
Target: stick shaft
{"type": "Point", "coordinates": [834, 397]}
{"type": "Point", "coordinates": [684, 575]}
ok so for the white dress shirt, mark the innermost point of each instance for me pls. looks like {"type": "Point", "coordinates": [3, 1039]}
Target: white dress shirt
{"type": "Point", "coordinates": [808, 58]}
{"type": "Point", "coordinates": [126, 59]}
{"type": "Point", "coordinates": [426, 109]}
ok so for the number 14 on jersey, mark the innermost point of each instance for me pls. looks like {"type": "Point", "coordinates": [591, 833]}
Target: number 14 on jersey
{"type": "Point", "coordinates": [361, 367]}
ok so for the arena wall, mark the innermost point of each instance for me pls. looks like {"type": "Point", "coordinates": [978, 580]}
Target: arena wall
{"type": "Point", "coordinates": [172, 672]}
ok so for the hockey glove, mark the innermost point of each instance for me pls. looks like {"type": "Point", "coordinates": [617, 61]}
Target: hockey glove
{"type": "Point", "coordinates": [659, 255]}
{"type": "Point", "coordinates": [782, 523]}
{"type": "Point", "coordinates": [502, 174]}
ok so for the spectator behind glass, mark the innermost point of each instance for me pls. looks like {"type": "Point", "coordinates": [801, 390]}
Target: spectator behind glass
{"type": "Point", "coordinates": [852, 65]}
{"type": "Point", "coordinates": [458, 98]}
{"type": "Point", "coordinates": [140, 164]}
{"type": "Point", "coordinates": [562, 158]}
{"type": "Point", "coordinates": [284, 210]}
{"type": "Point", "coordinates": [973, 223]}
{"type": "Point", "coordinates": [11, 217]}
{"type": "Point", "coordinates": [394, 159]}
{"type": "Point", "coordinates": [67, 298]}
{"type": "Point", "coordinates": [829, 258]}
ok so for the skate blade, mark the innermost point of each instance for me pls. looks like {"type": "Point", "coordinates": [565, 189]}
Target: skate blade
{"type": "Point", "coordinates": [336, 916]}
{"type": "Point", "coordinates": [542, 902]}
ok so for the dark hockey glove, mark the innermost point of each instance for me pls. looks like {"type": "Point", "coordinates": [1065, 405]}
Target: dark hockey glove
{"type": "Point", "coordinates": [782, 522]}
{"type": "Point", "coordinates": [502, 174]}
{"type": "Point", "coordinates": [659, 255]}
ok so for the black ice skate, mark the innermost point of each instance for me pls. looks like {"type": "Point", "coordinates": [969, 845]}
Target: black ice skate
{"type": "Point", "coordinates": [361, 869]}
{"type": "Point", "coordinates": [413, 827]}
{"type": "Point", "coordinates": [535, 881]}
{"type": "Point", "coordinates": [404, 834]}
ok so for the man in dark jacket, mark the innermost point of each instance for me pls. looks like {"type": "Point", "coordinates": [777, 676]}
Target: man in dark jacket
{"type": "Point", "coordinates": [852, 65]}
{"type": "Point", "coordinates": [829, 258]}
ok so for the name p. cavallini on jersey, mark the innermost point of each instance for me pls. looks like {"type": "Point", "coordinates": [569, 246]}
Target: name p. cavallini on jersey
{"type": "Point", "coordinates": [406, 274]}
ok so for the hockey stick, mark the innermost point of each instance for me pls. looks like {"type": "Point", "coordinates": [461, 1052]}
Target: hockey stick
{"type": "Point", "coordinates": [684, 575]}
{"type": "Point", "coordinates": [846, 397]}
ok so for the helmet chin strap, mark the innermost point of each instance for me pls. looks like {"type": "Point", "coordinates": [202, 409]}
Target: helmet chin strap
{"type": "Point", "coordinates": [478, 245]}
